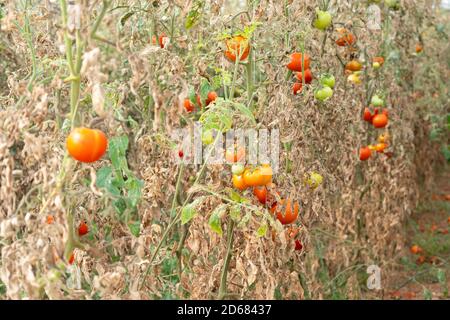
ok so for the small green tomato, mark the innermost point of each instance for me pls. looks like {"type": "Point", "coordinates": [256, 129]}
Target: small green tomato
{"type": "Point", "coordinates": [377, 101]}
{"type": "Point", "coordinates": [328, 80]}
{"type": "Point", "coordinates": [323, 94]}
{"type": "Point", "coordinates": [323, 19]}
{"type": "Point", "coordinates": [237, 169]}
{"type": "Point", "coordinates": [207, 137]}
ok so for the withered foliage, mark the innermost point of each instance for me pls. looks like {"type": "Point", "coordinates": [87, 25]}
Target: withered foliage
{"type": "Point", "coordinates": [354, 219]}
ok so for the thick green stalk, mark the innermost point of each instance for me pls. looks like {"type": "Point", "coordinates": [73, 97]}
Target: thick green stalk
{"type": "Point", "coordinates": [223, 278]}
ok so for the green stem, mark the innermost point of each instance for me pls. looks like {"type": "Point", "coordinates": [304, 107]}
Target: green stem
{"type": "Point", "coordinates": [226, 264]}
{"type": "Point", "coordinates": [249, 68]}
{"type": "Point", "coordinates": [178, 216]}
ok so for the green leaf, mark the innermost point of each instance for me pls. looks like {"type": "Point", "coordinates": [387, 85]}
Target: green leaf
{"type": "Point", "coordinates": [245, 220]}
{"type": "Point", "coordinates": [189, 211]}
{"type": "Point", "coordinates": [235, 212]}
{"type": "Point", "coordinates": [117, 151]}
{"type": "Point", "coordinates": [262, 230]}
{"type": "Point", "coordinates": [134, 187]}
{"type": "Point", "coordinates": [106, 180]}
{"type": "Point", "coordinates": [205, 88]}
{"type": "Point", "coordinates": [194, 15]}
{"type": "Point", "coordinates": [135, 228]}
{"type": "Point", "coordinates": [215, 221]}
{"type": "Point", "coordinates": [120, 206]}
{"type": "Point", "coordinates": [245, 112]}
{"type": "Point", "coordinates": [427, 295]}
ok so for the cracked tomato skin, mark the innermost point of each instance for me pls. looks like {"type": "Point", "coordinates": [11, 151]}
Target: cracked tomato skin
{"type": "Point", "coordinates": [238, 182]}
{"type": "Point", "coordinates": [237, 46]}
{"type": "Point", "coordinates": [260, 193]}
{"type": "Point", "coordinates": [86, 145]}
{"type": "Point", "coordinates": [285, 211]}
{"type": "Point", "coordinates": [308, 76]}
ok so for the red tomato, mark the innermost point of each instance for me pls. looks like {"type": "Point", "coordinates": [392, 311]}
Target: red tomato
{"type": "Point", "coordinates": [296, 62]}
{"type": "Point", "coordinates": [188, 105]}
{"type": "Point", "coordinates": [83, 228]}
{"type": "Point", "coordinates": [364, 153]}
{"type": "Point", "coordinates": [71, 258]}
{"type": "Point", "coordinates": [212, 96]}
{"type": "Point", "coordinates": [308, 76]}
{"type": "Point", "coordinates": [367, 115]}
{"type": "Point", "coordinates": [298, 245]}
{"type": "Point", "coordinates": [162, 38]}
{"type": "Point", "coordinates": [86, 145]}
{"type": "Point", "coordinates": [261, 193]}
{"type": "Point", "coordinates": [297, 87]}
{"type": "Point", "coordinates": [380, 120]}
{"type": "Point", "coordinates": [286, 214]}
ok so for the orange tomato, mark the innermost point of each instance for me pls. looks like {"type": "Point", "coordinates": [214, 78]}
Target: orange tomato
{"type": "Point", "coordinates": [237, 46]}
{"type": "Point", "coordinates": [260, 192]}
{"type": "Point", "coordinates": [235, 154]}
{"type": "Point", "coordinates": [347, 39]}
{"type": "Point", "coordinates": [253, 177]}
{"type": "Point", "coordinates": [380, 60]}
{"type": "Point", "coordinates": [212, 96]}
{"type": "Point", "coordinates": [380, 120]}
{"type": "Point", "coordinates": [297, 87]}
{"type": "Point", "coordinates": [419, 48]}
{"type": "Point", "coordinates": [296, 62]}
{"type": "Point", "coordinates": [308, 76]}
{"type": "Point", "coordinates": [415, 249]}
{"type": "Point", "coordinates": [188, 105]}
{"type": "Point", "coordinates": [287, 213]}
{"type": "Point", "coordinates": [367, 115]}
{"type": "Point", "coordinates": [71, 258]}
{"type": "Point", "coordinates": [50, 219]}
{"type": "Point", "coordinates": [353, 65]}
{"type": "Point", "coordinates": [379, 147]}
{"type": "Point", "coordinates": [266, 172]}
{"type": "Point", "coordinates": [364, 153]}
{"type": "Point", "coordinates": [162, 38]}
{"type": "Point", "coordinates": [86, 145]}
{"type": "Point", "coordinates": [239, 183]}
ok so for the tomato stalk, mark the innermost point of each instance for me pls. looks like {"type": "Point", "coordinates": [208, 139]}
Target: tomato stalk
{"type": "Point", "coordinates": [236, 67]}
{"type": "Point", "coordinates": [177, 218]}
{"type": "Point", "coordinates": [249, 68]}
{"type": "Point", "coordinates": [223, 278]}
{"type": "Point", "coordinates": [27, 34]}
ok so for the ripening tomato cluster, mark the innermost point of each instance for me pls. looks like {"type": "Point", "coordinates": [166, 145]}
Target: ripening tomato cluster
{"type": "Point", "coordinates": [190, 106]}
{"type": "Point", "coordinates": [300, 63]}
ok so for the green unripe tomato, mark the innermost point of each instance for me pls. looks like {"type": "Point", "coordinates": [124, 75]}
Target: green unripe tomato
{"type": "Point", "coordinates": [377, 101]}
{"type": "Point", "coordinates": [207, 137]}
{"type": "Point", "coordinates": [237, 169]}
{"type": "Point", "coordinates": [376, 65]}
{"type": "Point", "coordinates": [323, 19]}
{"type": "Point", "coordinates": [328, 80]}
{"type": "Point", "coordinates": [323, 94]}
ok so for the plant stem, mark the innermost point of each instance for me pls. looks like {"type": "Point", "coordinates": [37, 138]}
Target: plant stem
{"type": "Point", "coordinates": [177, 217]}
{"type": "Point", "coordinates": [249, 68]}
{"type": "Point", "coordinates": [224, 274]}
